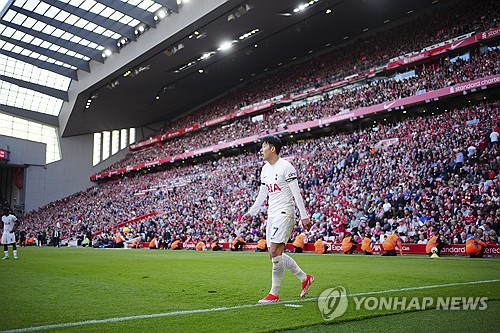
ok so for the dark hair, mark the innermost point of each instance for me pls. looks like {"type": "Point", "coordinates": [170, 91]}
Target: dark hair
{"type": "Point", "coordinates": [274, 141]}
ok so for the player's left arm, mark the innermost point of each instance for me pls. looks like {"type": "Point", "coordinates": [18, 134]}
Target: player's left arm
{"type": "Point", "coordinates": [294, 188]}
{"type": "Point", "coordinates": [293, 184]}
{"type": "Point", "coordinates": [16, 224]}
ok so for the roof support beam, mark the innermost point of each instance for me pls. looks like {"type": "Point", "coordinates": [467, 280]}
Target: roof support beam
{"type": "Point", "coordinates": [78, 63]}
{"type": "Point", "coordinates": [88, 35]}
{"type": "Point", "coordinates": [5, 7]}
{"type": "Point", "coordinates": [139, 14]}
{"type": "Point", "coordinates": [169, 4]}
{"type": "Point", "coordinates": [75, 47]}
{"type": "Point", "coordinates": [118, 27]}
{"type": "Point", "coordinates": [68, 72]}
{"type": "Point", "coordinates": [37, 87]}
{"type": "Point", "coordinates": [39, 117]}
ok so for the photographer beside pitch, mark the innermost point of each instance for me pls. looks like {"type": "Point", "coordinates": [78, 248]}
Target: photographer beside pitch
{"type": "Point", "coordinates": [279, 182]}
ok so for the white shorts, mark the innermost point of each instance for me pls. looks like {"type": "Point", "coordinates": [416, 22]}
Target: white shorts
{"type": "Point", "coordinates": [279, 229]}
{"type": "Point", "coordinates": [8, 238]}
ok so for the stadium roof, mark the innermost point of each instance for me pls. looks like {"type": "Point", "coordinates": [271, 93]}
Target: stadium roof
{"type": "Point", "coordinates": [89, 65]}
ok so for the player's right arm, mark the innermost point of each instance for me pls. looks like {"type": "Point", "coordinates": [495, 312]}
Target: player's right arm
{"type": "Point", "coordinates": [258, 202]}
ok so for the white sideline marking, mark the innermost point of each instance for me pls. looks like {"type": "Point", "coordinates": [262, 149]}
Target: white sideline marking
{"type": "Point", "coordinates": [224, 308]}
{"type": "Point", "coordinates": [293, 305]}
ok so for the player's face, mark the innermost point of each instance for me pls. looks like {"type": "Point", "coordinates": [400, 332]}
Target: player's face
{"type": "Point", "coordinates": [266, 151]}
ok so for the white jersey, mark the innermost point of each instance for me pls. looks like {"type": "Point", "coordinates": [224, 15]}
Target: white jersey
{"type": "Point", "coordinates": [276, 178]}
{"type": "Point", "coordinates": [8, 223]}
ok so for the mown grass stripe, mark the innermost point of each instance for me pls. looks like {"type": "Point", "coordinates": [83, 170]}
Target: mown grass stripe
{"type": "Point", "coordinates": [219, 309]}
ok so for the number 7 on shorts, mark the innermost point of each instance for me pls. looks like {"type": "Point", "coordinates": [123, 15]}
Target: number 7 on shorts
{"type": "Point", "coordinates": [275, 231]}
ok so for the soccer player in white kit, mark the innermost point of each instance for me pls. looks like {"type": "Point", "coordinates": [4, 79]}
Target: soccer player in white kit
{"type": "Point", "coordinates": [9, 225]}
{"type": "Point", "coordinates": [279, 182]}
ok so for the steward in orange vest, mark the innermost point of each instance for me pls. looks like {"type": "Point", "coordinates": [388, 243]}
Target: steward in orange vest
{"type": "Point", "coordinates": [348, 244]}
{"type": "Point", "coordinates": [366, 245]}
{"type": "Point", "coordinates": [319, 246]}
{"type": "Point", "coordinates": [120, 239]}
{"type": "Point", "coordinates": [298, 243]}
{"type": "Point", "coordinates": [153, 244]}
{"type": "Point", "coordinates": [176, 245]}
{"type": "Point", "coordinates": [474, 247]}
{"type": "Point", "coordinates": [434, 241]}
{"type": "Point", "coordinates": [261, 245]}
{"type": "Point", "coordinates": [238, 243]}
{"type": "Point", "coordinates": [215, 246]}
{"type": "Point", "coordinates": [390, 244]}
{"type": "Point", "coordinates": [200, 246]}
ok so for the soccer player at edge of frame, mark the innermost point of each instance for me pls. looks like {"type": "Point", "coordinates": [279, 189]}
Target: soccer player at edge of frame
{"type": "Point", "coordinates": [9, 225]}
{"type": "Point", "coordinates": [279, 182]}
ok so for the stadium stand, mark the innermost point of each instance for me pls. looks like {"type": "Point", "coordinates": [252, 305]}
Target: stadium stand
{"type": "Point", "coordinates": [356, 58]}
{"type": "Point", "coordinates": [427, 78]}
{"type": "Point", "coordinates": [346, 178]}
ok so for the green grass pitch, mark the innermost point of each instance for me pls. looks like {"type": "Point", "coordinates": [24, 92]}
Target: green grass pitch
{"type": "Point", "coordinates": [58, 286]}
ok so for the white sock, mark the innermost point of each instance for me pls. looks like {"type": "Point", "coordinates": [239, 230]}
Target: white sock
{"type": "Point", "coordinates": [278, 270]}
{"type": "Point", "coordinates": [6, 253]}
{"type": "Point", "coordinates": [292, 266]}
{"type": "Point", "coordinates": [15, 253]}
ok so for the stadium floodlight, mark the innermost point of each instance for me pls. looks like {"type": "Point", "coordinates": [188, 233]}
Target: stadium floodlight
{"type": "Point", "coordinates": [206, 55]}
{"type": "Point", "coordinates": [225, 46]}
{"type": "Point", "coordinates": [249, 34]}
{"type": "Point", "coordinates": [106, 53]}
{"type": "Point", "coordinates": [161, 14]}
{"type": "Point", "coordinates": [303, 6]}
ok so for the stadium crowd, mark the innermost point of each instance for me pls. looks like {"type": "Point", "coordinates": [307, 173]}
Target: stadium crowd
{"type": "Point", "coordinates": [354, 58]}
{"type": "Point", "coordinates": [433, 173]}
{"type": "Point", "coordinates": [441, 175]}
{"type": "Point", "coordinates": [426, 78]}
